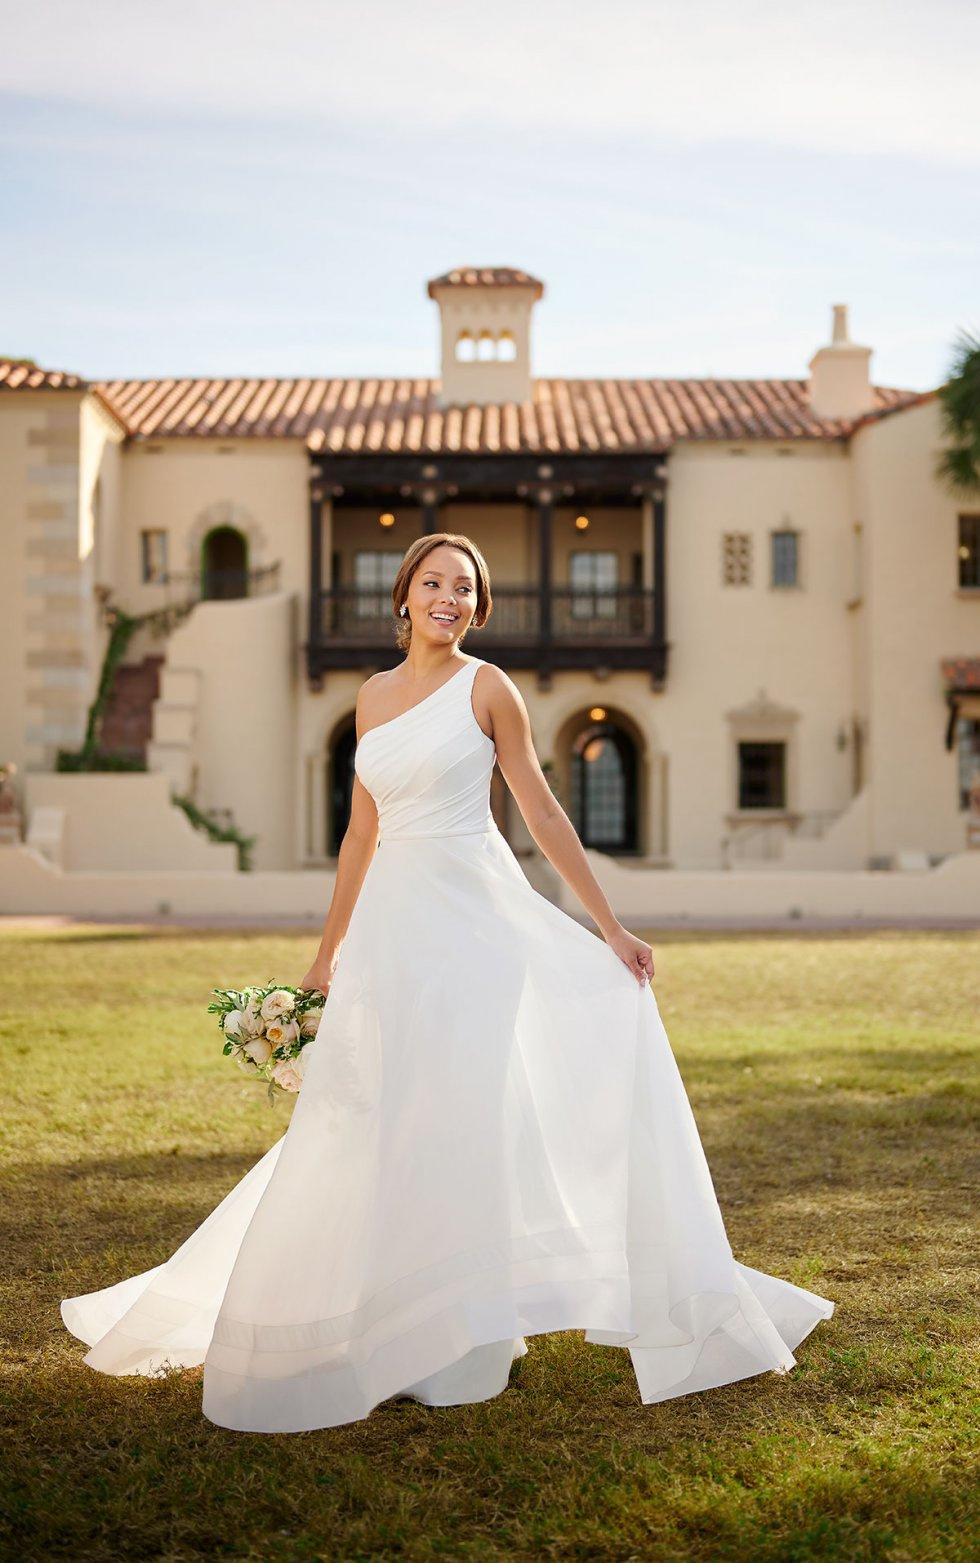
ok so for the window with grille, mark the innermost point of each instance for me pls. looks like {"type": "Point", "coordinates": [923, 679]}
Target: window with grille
{"type": "Point", "coordinates": [153, 555]}
{"type": "Point", "coordinates": [736, 558]}
{"type": "Point", "coordinates": [785, 558]}
{"type": "Point", "coordinates": [761, 775]}
{"type": "Point", "coordinates": [967, 757]}
{"type": "Point", "coordinates": [374, 576]}
{"type": "Point", "coordinates": [594, 576]}
{"type": "Point", "coordinates": [969, 551]}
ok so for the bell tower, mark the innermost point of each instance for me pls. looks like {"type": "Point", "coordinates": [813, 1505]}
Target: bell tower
{"type": "Point", "coordinates": [485, 330]}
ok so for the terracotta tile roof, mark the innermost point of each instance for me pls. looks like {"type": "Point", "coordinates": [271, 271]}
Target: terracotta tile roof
{"type": "Point", "coordinates": [961, 672]}
{"type": "Point", "coordinates": [23, 374]}
{"type": "Point", "coordinates": [485, 277]}
{"type": "Point", "coordinates": [404, 417]}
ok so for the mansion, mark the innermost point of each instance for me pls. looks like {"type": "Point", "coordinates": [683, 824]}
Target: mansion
{"type": "Point", "coordinates": [744, 614]}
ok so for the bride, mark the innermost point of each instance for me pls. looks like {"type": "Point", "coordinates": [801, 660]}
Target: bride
{"type": "Point", "coordinates": [492, 1139]}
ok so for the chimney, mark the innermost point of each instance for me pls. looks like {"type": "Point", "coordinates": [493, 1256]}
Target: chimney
{"type": "Point", "coordinates": [485, 325]}
{"type": "Point", "coordinates": [840, 374]}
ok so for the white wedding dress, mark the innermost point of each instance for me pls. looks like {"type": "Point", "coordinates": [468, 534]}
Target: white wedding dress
{"type": "Point", "coordinates": [492, 1140]}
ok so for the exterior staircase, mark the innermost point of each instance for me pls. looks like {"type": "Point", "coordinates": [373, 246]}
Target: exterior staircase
{"type": "Point", "coordinates": [127, 722]}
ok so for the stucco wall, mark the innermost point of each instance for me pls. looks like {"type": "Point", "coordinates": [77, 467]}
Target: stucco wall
{"type": "Point", "coordinates": [243, 726]}
{"type": "Point", "coordinates": [45, 632]}
{"type": "Point", "coordinates": [187, 486]}
{"type": "Point", "coordinates": [916, 616]}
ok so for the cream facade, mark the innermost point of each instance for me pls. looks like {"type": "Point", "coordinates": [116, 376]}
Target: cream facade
{"type": "Point", "coordinates": [731, 634]}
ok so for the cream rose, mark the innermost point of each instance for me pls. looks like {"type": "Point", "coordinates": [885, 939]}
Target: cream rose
{"type": "Point", "coordinates": [281, 1032]}
{"type": "Point", "coordinates": [311, 1022]}
{"type": "Point", "coordinates": [287, 1075]}
{"type": "Point", "coordinates": [233, 1024]}
{"type": "Point", "coordinates": [259, 1050]}
{"type": "Point", "coordinates": [252, 1025]}
{"type": "Point", "coordinates": [279, 1002]}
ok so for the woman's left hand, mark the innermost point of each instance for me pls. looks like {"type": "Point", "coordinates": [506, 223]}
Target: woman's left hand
{"type": "Point", "coordinates": [636, 956]}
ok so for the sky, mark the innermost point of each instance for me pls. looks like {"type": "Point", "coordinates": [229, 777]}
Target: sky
{"type": "Point", "coordinates": [265, 186]}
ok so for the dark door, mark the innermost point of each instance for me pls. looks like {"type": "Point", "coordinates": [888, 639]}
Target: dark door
{"type": "Point", "coordinates": [604, 789]}
{"type": "Point", "coordinates": [341, 787]}
{"type": "Point", "coordinates": [224, 568]}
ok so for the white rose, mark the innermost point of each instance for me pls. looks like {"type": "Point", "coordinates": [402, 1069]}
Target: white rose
{"type": "Point", "coordinates": [233, 1023]}
{"type": "Point", "coordinates": [277, 1003]}
{"type": "Point", "coordinates": [280, 1032]}
{"type": "Point", "coordinates": [311, 1022]}
{"type": "Point", "coordinates": [258, 1050]}
{"type": "Point", "coordinates": [287, 1075]}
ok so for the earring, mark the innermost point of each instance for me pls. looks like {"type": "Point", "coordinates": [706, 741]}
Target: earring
{"type": "Point", "coordinates": [403, 609]}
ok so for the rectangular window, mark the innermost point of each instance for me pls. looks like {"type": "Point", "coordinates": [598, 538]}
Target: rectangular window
{"type": "Point", "coordinates": [761, 775]}
{"type": "Point", "coordinates": [785, 558]}
{"type": "Point", "coordinates": [153, 556]}
{"type": "Point", "coordinates": [594, 576]}
{"type": "Point", "coordinates": [969, 551]}
{"type": "Point", "coordinates": [374, 576]}
{"type": "Point", "coordinates": [736, 558]}
{"type": "Point", "coordinates": [967, 757]}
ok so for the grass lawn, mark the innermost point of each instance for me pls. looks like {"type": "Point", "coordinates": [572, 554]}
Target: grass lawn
{"type": "Point", "coordinates": [834, 1081]}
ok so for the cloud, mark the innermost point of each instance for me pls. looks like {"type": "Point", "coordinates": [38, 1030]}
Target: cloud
{"type": "Point", "coordinates": [883, 76]}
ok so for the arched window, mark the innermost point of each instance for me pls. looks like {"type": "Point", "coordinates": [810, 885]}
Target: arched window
{"type": "Point", "coordinates": [604, 788]}
{"type": "Point", "coordinates": [224, 563]}
{"type": "Point", "coordinates": [465, 348]}
{"type": "Point", "coordinates": [506, 347]}
{"type": "Point", "coordinates": [486, 347]}
{"type": "Point", "coordinates": [340, 786]}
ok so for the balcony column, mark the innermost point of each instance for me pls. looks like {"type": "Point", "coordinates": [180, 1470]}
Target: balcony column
{"type": "Point", "coordinates": [646, 541]}
{"type": "Point", "coordinates": [544, 498]}
{"type": "Point", "coordinates": [326, 545]}
{"type": "Point", "coordinates": [429, 504]}
{"type": "Point", "coordinates": [659, 503]}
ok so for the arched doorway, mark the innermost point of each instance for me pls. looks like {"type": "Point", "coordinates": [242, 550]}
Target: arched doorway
{"type": "Point", "coordinates": [224, 563]}
{"type": "Point", "coordinates": [604, 779]}
{"type": "Point", "coordinates": [340, 786]}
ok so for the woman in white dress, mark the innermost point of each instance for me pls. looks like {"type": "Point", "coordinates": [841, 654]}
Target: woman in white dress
{"type": "Point", "coordinates": [492, 1139]}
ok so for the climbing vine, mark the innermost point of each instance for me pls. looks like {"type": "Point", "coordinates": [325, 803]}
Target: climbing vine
{"type": "Point", "coordinates": [202, 821]}
{"type": "Point", "coordinates": [122, 628]}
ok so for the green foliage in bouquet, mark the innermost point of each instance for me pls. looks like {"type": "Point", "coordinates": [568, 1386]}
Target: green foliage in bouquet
{"type": "Point", "coordinates": [266, 1030]}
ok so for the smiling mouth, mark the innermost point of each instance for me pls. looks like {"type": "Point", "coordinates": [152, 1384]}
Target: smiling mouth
{"type": "Point", "coordinates": [444, 618]}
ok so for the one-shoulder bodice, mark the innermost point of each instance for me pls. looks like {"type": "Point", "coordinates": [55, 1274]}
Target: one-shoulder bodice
{"type": "Point", "coordinates": [428, 769]}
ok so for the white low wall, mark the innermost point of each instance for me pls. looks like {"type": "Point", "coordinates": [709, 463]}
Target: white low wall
{"type": "Point", "coordinates": [635, 894]}
{"type": "Point", "coordinates": [29, 884]}
{"type": "Point", "coordinates": [120, 820]}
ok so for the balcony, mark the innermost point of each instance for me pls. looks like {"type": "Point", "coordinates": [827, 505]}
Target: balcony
{"type": "Point", "coordinates": [561, 628]}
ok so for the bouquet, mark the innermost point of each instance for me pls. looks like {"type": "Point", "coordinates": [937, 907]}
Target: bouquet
{"type": "Point", "coordinates": [266, 1030]}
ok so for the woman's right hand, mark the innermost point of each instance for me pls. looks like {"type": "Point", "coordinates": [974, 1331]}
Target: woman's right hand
{"type": "Point", "coordinates": [320, 974]}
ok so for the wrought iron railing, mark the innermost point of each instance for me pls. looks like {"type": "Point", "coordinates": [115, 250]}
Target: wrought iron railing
{"type": "Point", "coordinates": [520, 613]}
{"type": "Point", "coordinates": [219, 584]}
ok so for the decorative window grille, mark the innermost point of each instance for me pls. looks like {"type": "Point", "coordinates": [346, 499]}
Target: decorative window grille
{"type": "Point", "coordinates": [969, 551]}
{"type": "Point", "coordinates": [967, 757]}
{"type": "Point", "coordinates": [374, 576]}
{"type": "Point", "coordinates": [736, 568]}
{"type": "Point", "coordinates": [594, 576]}
{"type": "Point", "coordinates": [761, 775]}
{"type": "Point", "coordinates": [153, 556]}
{"type": "Point", "coordinates": [785, 558]}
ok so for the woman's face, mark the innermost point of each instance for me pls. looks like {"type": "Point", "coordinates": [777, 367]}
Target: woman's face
{"type": "Point", "coordinates": [442, 596]}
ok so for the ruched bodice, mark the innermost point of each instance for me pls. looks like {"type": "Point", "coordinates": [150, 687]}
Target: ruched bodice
{"type": "Point", "coordinates": [428, 769]}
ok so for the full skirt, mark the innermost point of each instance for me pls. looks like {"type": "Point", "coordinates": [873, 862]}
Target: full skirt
{"type": "Point", "coordinates": [492, 1141]}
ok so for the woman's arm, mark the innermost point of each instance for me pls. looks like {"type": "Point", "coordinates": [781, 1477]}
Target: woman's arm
{"type": "Point", "coordinates": [500, 705]}
{"type": "Point", "coordinates": [356, 851]}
